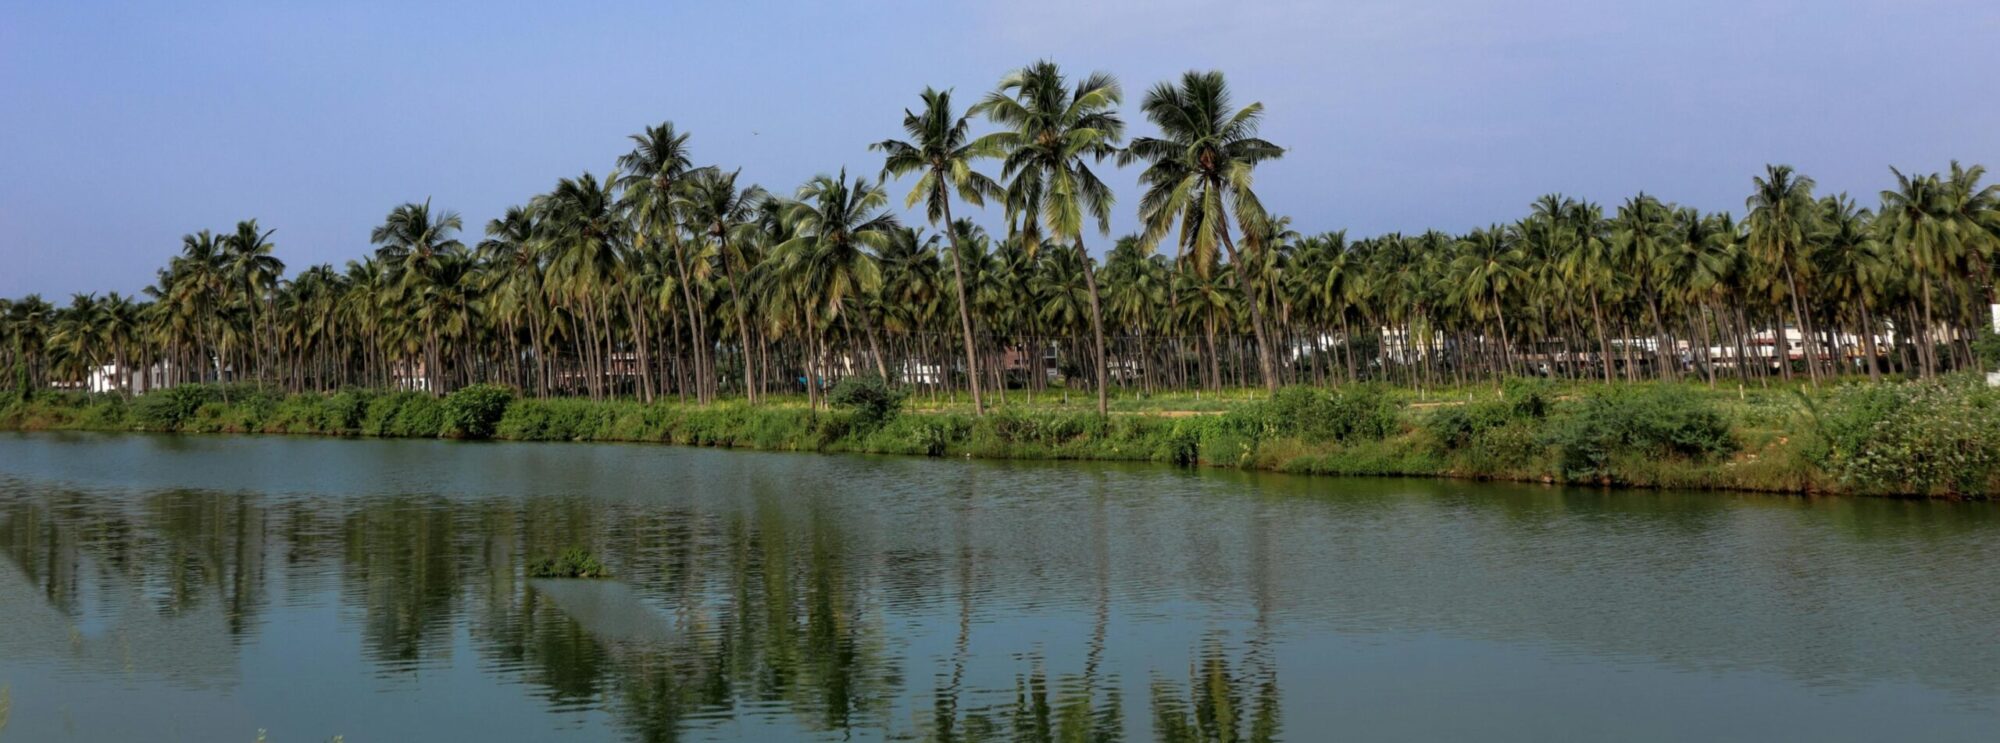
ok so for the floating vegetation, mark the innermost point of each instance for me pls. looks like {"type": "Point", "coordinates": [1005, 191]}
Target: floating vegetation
{"type": "Point", "coordinates": [574, 562]}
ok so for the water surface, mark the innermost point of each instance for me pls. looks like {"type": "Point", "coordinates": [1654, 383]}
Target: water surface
{"type": "Point", "coordinates": [168, 588]}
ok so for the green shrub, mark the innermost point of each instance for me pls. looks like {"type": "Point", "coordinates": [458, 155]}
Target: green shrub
{"type": "Point", "coordinates": [870, 398]}
{"type": "Point", "coordinates": [345, 411]}
{"type": "Point", "coordinates": [103, 412]}
{"type": "Point", "coordinates": [1916, 438]}
{"type": "Point", "coordinates": [558, 419]}
{"type": "Point", "coordinates": [474, 412]}
{"type": "Point", "coordinates": [404, 414]}
{"type": "Point", "coordinates": [1530, 397]}
{"type": "Point", "coordinates": [1986, 346]}
{"type": "Point", "coordinates": [420, 416]}
{"type": "Point", "coordinates": [1455, 427]}
{"type": "Point", "coordinates": [168, 409]}
{"type": "Point", "coordinates": [1355, 412]}
{"type": "Point", "coordinates": [1650, 420]}
{"type": "Point", "coordinates": [575, 562]}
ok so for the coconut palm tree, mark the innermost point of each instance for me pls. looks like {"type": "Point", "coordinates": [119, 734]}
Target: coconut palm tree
{"type": "Point", "coordinates": [1915, 222]}
{"type": "Point", "coordinates": [1484, 273]}
{"type": "Point", "coordinates": [512, 251]}
{"type": "Point", "coordinates": [940, 149]}
{"type": "Point", "coordinates": [410, 243]}
{"type": "Point", "coordinates": [1051, 133]}
{"type": "Point", "coordinates": [1850, 263]}
{"type": "Point", "coordinates": [658, 166]}
{"type": "Point", "coordinates": [585, 238]}
{"type": "Point", "coordinates": [1781, 217]}
{"type": "Point", "coordinates": [1641, 235]}
{"type": "Point", "coordinates": [837, 227]}
{"type": "Point", "coordinates": [1198, 177]}
{"type": "Point", "coordinates": [717, 210]}
{"type": "Point", "coordinates": [252, 273]}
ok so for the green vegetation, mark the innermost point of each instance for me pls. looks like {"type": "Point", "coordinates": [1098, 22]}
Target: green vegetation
{"type": "Point", "coordinates": [666, 301]}
{"type": "Point", "coordinates": [1912, 438]}
{"type": "Point", "coordinates": [475, 411]}
{"type": "Point", "coordinates": [575, 562]}
{"type": "Point", "coordinates": [1934, 438]}
{"type": "Point", "coordinates": [871, 399]}
{"type": "Point", "coordinates": [668, 279]}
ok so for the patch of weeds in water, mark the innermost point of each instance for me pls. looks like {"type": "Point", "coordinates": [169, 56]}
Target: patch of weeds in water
{"type": "Point", "coordinates": [574, 562]}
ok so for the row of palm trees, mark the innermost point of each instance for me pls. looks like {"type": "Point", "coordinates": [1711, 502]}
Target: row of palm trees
{"type": "Point", "coordinates": [669, 279]}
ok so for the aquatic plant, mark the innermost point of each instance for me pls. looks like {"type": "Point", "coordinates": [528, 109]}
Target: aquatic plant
{"type": "Point", "coordinates": [574, 562]}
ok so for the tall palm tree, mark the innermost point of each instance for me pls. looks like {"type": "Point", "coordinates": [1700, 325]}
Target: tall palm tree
{"type": "Point", "coordinates": [1916, 223]}
{"type": "Point", "coordinates": [1049, 131]}
{"type": "Point", "coordinates": [1198, 176]}
{"type": "Point", "coordinates": [654, 172]}
{"type": "Point", "coordinates": [585, 238]}
{"type": "Point", "coordinates": [941, 150]}
{"type": "Point", "coordinates": [411, 242]}
{"type": "Point", "coordinates": [1781, 217]}
{"type": "Point", "coordinates": [1851, 264]}
{"type": "Point", "coordinates": [1484, 272]}
{"type": "Point", "coordinates": [837, 226]}
{"type": "Point", "coordinates": [1973, 211]}
{"type": "Point", "coordinates": [1641, 234]}
{"type": "Point", "coordinates": [253, 274]}
{"type": "Point", "coordinates": [717, 210]}
{"type": "Point", "coordinates": [197, 282]}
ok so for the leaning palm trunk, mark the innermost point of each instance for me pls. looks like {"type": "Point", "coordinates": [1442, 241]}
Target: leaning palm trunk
{"type": "Point", "coordinates": [742, 325]}
{"type": "Point", "coordinates": [1096, 330]}
{"type": "Point", "coordinates": [694, 323]}
{"type": "Point", "coordinates": [1868, 341]}
{"type": "Point", "coordinates": [1264, 353]}
{"type": "Point", "coordinates": [1805, 331]}
{"type": "Point", "coordinates": [964, 316]}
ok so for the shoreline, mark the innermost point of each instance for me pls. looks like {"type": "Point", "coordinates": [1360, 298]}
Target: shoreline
{"type": "Point", "coordinates": [1647, 437]}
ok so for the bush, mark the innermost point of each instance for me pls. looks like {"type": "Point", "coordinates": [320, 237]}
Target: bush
{"type": "Point", "coordinates": [1986, 346]}
{"type": "Point", "coordinates": [1530, 397]}
{"type": "Point", "coordinates": [1457, 426]}
{"type": "Point", "coordinates": [345, 411]}
{"type": "Point", "coordinates": [1460, 426]}
{"type": "Point", "coordinates": [871, 399]}
{"type": "Point", "coordinates": [1652, 420]}
{"type": "Point", "coordinates": [474, 412]}
{"type": "Point", "coordinates": [1355, 412]}
{"type": "Point", "coordinates": [1915, 438]}
{"type": "Point", "coordinates": [556, 420]}
{"type": "Point", "coordinates": [574, 562]}
{"type": "Point", "coordinates": [168, 409]}
{"type": "Point", "coordinates": [404, 414]}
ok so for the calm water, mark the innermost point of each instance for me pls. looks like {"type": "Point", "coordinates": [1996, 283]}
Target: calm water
{"type": "Point", "coordinates": [203, 588]}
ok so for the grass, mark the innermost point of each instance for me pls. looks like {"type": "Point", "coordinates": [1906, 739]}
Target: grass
{"type": "Point", "coordinates": [1858, 438]}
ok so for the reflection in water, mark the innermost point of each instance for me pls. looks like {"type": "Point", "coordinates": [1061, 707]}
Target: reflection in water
{"type": "Point", "coordinates": [1219, 703]}
{"type": "Point", "coordinates": [909, 599]}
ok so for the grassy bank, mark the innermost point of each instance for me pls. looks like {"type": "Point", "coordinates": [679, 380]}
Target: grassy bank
{"type": "Point", "coordinates": [1930, 439]}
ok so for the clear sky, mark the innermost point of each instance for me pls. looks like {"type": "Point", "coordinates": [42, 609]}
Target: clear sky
{"type": "Point", "coordinates": [125, 125]}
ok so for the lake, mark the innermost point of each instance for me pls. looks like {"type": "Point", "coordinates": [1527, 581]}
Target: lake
{"type": "Point", "coordinates": [190, 588]}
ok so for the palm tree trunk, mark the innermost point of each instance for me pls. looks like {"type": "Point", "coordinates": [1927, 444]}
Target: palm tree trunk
{"type": "Point", "coordinates": [1265, 364]}
{"type": "Point", "coordinates": [742, 325]}
{"type": "Point", "coordinates": [1603, 341]}
{"type": "Point", "coordinates": [1868, 341]}
{"type": "Point", "coordinates": [1799, 315]}
{"type": "Point", "coordinates": [964, 316]}
{"type": "Point", "coordinates": [1506, 342]}
{"type": "Point", "coordinates": [1096, 328]}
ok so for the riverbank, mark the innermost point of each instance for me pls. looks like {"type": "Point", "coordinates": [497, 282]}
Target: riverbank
{"type": "Point", "coordinates": [1937, 439]}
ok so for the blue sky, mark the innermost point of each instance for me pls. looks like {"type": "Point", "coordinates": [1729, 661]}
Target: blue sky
{"type": "Point", "coordinates": [125, 125]}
